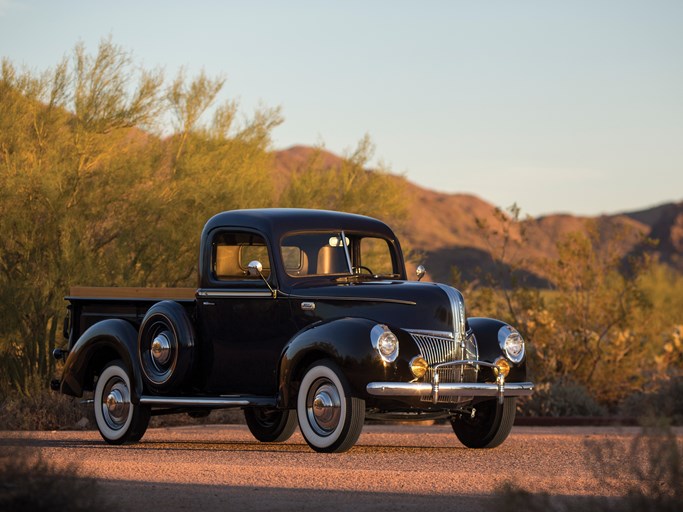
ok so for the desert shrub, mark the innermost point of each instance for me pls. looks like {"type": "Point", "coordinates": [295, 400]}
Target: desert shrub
{"type": "Point", "coordinates": [561, 398]}
{"type": "Point", "coordinates": [30, 483]}
{"type": "Point", "coordinates": [664, 398]}
{"type": "Point", "coordinates": [40, 409]}
{"type": "Point", "coordinates": [652, 482]}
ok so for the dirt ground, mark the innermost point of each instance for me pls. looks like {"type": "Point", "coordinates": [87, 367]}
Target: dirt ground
{"type": "Point", "coordinates": [391, 468]}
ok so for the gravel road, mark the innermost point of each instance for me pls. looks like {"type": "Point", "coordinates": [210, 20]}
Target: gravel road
{"type": "Point", "coordinates": [391, 468]}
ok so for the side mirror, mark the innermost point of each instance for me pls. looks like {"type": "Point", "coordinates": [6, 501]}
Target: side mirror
{"type": "Point", "coordinates": [420, 272]}
{"type": "Point", "coordinates": [255, 268]}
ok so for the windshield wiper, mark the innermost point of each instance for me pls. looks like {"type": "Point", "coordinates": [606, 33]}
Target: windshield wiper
{"type": "Point", "coordinates": [386, 276]}
{"type": "Point", "coordinates": [365, 277]}
{"type": "Point", "coordinates": [353, 277]}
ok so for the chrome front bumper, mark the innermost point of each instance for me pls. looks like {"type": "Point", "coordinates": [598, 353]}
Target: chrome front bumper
{"type": "Point", "coordinates": [500, 389]}
{"type": "Point", "coordinates": [449, 389]}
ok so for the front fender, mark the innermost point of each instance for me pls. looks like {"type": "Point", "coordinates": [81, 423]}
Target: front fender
{"type": "Point", "coordinates": [103, 342]}
{"type": "Point", "coordinates": [346, 341]}
{"type": "Point", "coordinates": [486, 332]}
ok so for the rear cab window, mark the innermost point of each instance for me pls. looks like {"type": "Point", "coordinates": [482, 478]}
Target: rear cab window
{"type": "Point", "coordinates": [232, 251]}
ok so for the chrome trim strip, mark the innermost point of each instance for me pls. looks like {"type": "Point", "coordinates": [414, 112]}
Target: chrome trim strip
{"type": "Point", "coordinates": [433, 334]}
{"type": "Point", "coordinates": [358, 299]}
{"type": "Point", "coordinates": [232, 294]}
{"type": "Point", "coordinates": [458, 308]}
{"type": "Point", "coordinates": [218, 401]}
{"type": "Point", "coordinates": [449, 389]}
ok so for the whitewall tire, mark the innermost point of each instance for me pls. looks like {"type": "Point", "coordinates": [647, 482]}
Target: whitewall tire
{"type": "Point", "coordinates": [118, 419]}
{"type": "Point", "coordinates": [330, 419]}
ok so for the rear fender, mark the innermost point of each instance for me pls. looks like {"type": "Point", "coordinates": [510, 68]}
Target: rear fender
{"type": "Point", "coordinates": [101, 343]}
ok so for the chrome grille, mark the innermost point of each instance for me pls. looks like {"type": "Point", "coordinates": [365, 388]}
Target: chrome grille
{"type": "Point", "coordinates": [437, 350]}
{"type": "Point", "coordinates": [442, 349]}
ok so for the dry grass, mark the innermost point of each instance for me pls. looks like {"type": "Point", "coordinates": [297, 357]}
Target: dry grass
{"type": "Point", "coordinates": [41, 410]}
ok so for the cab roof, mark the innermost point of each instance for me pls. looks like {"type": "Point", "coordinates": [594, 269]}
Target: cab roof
{"type": "Point", "coordinates": [275, 222]}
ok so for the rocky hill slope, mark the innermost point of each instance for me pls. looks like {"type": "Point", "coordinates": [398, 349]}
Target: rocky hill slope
{"type": "Point", "coordinates": [446, 231]}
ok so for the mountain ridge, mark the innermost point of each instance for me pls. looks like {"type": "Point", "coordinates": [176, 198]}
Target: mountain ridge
{"type": "Point", "coordinates": [447, 229]}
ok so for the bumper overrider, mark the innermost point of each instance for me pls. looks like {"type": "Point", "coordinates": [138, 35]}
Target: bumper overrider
{"type": "Point", "coordinates": [499, 389]}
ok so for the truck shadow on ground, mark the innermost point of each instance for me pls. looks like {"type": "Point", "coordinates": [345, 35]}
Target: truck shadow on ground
{"type": "Point", "coordinates": [132, 495]}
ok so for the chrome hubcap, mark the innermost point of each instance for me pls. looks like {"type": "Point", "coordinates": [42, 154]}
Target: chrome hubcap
{"type": "Point", "coordinates": [161, 350]}
{"type": "Point", "coordinates": [324, 407]}
{"type": "Point", "coordinates": [116, 403]}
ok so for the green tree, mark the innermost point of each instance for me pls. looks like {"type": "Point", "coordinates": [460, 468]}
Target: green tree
{"type": "Point", "coordinates": [87, 196]}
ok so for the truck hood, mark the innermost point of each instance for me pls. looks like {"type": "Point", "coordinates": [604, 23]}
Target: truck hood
{"type": "Point", "coordinates": [403, 304]}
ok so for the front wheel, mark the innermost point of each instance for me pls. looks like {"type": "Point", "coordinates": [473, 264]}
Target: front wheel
{"type": "Point", "coordinates": [270, 425]}
{"type": "Point", "coordinates": [118, 419]}
{"type": "Point", "coordinates": [330, 419]}
{"type": "Point", "coordinates": [490, 426]}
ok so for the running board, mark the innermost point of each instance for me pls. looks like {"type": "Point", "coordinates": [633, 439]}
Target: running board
{"type": "Point", "coordinates": [215, 402]}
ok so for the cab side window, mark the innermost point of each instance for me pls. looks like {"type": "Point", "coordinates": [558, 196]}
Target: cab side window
{"type": "Point", "coordinates": [232, 252]}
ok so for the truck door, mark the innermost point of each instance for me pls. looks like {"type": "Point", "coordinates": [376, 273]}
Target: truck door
{"type": "Point", "coordinates": [243, 328]}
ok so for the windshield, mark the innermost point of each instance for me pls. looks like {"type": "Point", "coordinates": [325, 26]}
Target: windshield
{"type": "Point", "coordinates": [336, 253]}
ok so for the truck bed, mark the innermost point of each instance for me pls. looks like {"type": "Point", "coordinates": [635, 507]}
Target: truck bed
{"type": "Point", "coordinates": [89, 305]}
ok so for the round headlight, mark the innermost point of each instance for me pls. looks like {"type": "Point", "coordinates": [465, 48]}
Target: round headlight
{"type": "Point", "coordinates": [512, 343]}
{"type": "Point", "coordinates": [385, 342]}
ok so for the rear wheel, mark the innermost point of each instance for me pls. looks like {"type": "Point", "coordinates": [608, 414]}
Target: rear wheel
{"type": "Point", "coordinates": [270, 425]}
{"type": "Point", "coordinates": [330, 419]}
{"type": "Point", "coordinates": [490, 426]}
{"type": "Point", "coordinates": [118, 419]}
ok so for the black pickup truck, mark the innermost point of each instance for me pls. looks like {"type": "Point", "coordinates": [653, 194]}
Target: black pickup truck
{"type": "Point", "coordinates": [301, 316]}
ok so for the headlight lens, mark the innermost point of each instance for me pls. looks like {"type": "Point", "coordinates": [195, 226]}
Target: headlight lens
{"type": "Point", "coordinates": [385, 342]}
{"type": "Point", "coordinates": [512, 343]}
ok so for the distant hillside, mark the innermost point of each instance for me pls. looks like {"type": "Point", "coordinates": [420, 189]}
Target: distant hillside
{"type": "Point", "coordinates": [443, 228]}
{"type": "Point", "coordinates": [666, 226]}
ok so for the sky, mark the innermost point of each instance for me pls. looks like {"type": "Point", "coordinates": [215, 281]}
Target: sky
{"type": "Point", "coordinates": [558, 106]}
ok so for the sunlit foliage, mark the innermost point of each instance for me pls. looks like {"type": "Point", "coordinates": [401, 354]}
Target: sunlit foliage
{"type": "Point", "coordinates": [607, 323]}
{"type": "Point", "coordinates": [96, 189]}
